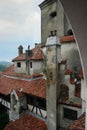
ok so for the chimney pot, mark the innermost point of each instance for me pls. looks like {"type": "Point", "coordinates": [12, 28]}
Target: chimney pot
{"type": "Point", "coordinates": [28, 47]}
{"type": "Point", "coordinates": [36, 44]}
{"type": "Point", "coordinates": [20, 49]}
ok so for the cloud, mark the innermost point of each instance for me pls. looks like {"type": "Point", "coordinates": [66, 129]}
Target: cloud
{"type": "Point", "coordinates": [32, 23]}
{"type": "Point", "coordinates": [7, 26]}
{"type": "Point", "coordinates": [19, 23]}
{"type": "Point", "coordinates": [19, 1]}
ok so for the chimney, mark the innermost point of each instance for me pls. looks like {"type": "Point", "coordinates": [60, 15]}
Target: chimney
{"type": "Point", "coordinates": [20, 50]}
{"type": "Point", "coordinates": [36, 44]}
{"type": "Point", "coordinates": [28, 54]}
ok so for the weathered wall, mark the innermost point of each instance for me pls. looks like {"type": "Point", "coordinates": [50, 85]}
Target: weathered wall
{"type": "Point", "coordinates": [69, 52]}
{"type": "Point", "coordinates": [65, 79]}
{"type": "Point", "coordinates": [66, 122]}
{"type": "Point", "coordinates": [37, 67]}
{"type": "Point", "coordinates": [47, 23]}
{"type": "Point", "coordinates": [77, 14]}
{"type": "Point", "coordinates": [21, 69]}
{"type": "Point", "coordinates": [67, 25]}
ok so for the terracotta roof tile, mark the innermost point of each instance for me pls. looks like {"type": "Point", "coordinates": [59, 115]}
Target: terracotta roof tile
{"type": "Point", "coordinates": [79, 124]}
{"type": "Point", "coordinates": [65, 39]}
{"type": "Point", "coordinates": [34, 87]}
{"type": "Point", "coordinates": [80, 74]}
{"type": "Point", "coordinates": [26, 122]}
{"type": "Point", "coordinates": [68, 72]}
{"type": "Point", "coordinates": [10, 72]}
{"type": "Point", "coordinates": [72, 80]}
{"type": "Point", "coordinates": [64, 93]}
{"type": "Point", "coordinates": [36, 55]}
{"type": "Point", "coordinates": [64, 97]}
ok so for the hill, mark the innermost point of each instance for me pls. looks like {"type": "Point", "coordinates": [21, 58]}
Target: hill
{"type": "Point", "coordinates": [4, 65]}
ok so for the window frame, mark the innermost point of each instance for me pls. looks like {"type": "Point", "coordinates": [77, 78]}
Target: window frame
{"type": "Point", "coordinates": [19, 64]}
{"type": "Point", "coordinates": [70, 114]}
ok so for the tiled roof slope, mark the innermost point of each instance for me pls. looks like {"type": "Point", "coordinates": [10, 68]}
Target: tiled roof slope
{"type": "Point", "coordinates": [35, 87]}
{"type": "Point", "coordinates": [64, 97]}
{"type": "Point", "coordinates": [27, 122]}
{"type": "Point", "coordinates": [36, 55]}
{"type": "Point", "coordinates": [65, 39]}
{"type": "Point", "coordinates": [11, 72]}
{"type": "Point", "coordinates": [79, 124]}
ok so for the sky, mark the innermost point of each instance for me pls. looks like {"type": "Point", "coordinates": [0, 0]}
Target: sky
{"type": "Point", "coordinates": [20, 24]}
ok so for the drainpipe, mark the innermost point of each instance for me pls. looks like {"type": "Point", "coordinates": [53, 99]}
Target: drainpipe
{"type": "Point", "coordinates": [28, 55]}
{"type": "Point", "coordinates": [53, 47]}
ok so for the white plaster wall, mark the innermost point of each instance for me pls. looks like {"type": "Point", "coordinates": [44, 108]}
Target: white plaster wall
{"type": "Point", "coordinates": [83, 90]}
{"type": "Point", "coordinates": [67, 24]}
{"type": "Point", "coordinates": [66, 122]}
{"type": "Point", "coordinates": [70, 53]}
{"type": "Point", "coordinates": [37, 67]}
{"type": "Point", "coordinates": [47, 23]}
{"type": "Point", "coordinates": [65, 79]}
{"type": "Point", "coordinates": [21, 69]}
{"type": "Point", "coordinates": [83, 95]}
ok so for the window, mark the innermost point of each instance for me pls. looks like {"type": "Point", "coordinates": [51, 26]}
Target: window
{"type": "Point", "coordinates": [70, 114]}
{"type": "Point", "coordinates": [53, 14]}
{"type": "Point", "coordinates": [30, 64]}
{"type": "Point", "coordinates": [70, 32]}
{"type": "Point", "coordinates": [18, 64]}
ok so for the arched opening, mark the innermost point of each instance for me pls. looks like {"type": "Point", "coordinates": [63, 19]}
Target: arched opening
{"type": "Point", "coordinates": [77, 17]}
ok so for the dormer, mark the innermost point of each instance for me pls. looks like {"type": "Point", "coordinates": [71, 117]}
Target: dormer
{"type": "Point", "coordinates": [30, 62]}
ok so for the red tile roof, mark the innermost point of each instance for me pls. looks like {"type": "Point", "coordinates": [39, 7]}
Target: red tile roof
{"type": "Point", "coordinates": [26, 122]}
{"type": "Point", "coordinates": [68, 72]}
{"type": "Point", "coordinates": [72, 80]}
{"type": "Point", "coordinates": [64, 97]}
{"type": "Point", "coordinates": [65, 39]}
{"type": "Point", "coordinates": [79, 124]}
{"type": "Point", "coordinates": [10, 72]}
{"type": "Point", "coordinates": [36, 55]}
{"type": "Point", "coordinates": [80, 74]}
{"type": "Point", "coordinates": [34, 87]}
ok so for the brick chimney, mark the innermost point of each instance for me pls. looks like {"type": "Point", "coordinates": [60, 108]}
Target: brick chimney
{"type": "Point", "coordinates": [20, 50]}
